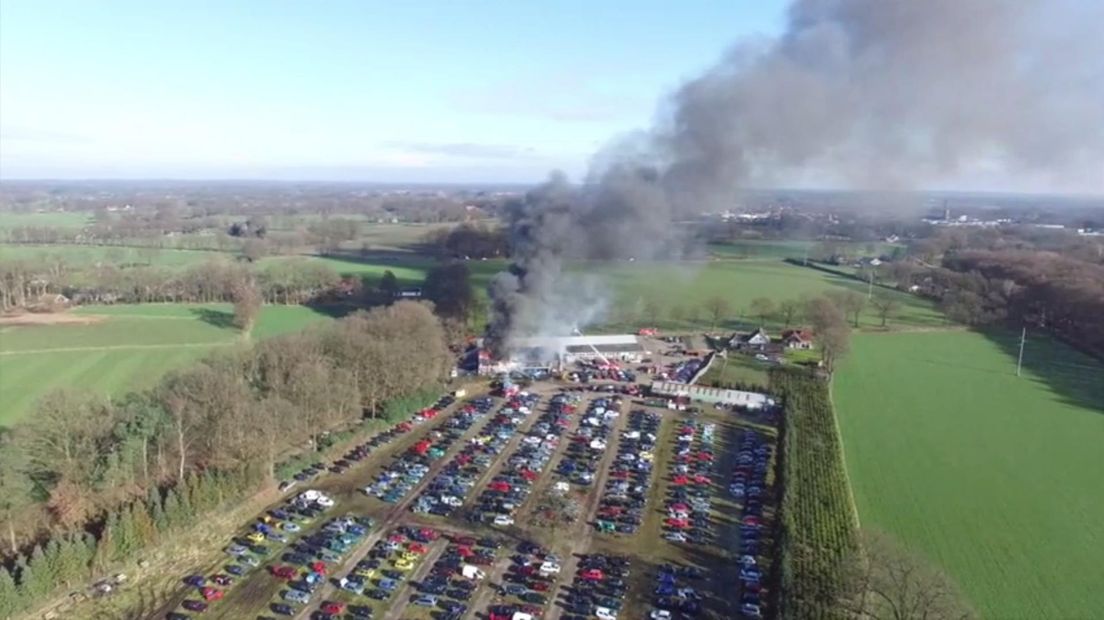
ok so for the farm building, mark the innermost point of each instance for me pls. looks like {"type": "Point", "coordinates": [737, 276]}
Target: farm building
{"type": "Point", "coordinates": [750, 400]}
{"type": "Point", "coordinates": [556, 352]}
{"type": "Point", "coordinates": [797, 339]}
{"type": "Point", "coordinates": [757, 340]}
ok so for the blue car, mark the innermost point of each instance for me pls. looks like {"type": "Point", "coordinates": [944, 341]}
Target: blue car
{"type": "Point", "coordinates": [296, 596]}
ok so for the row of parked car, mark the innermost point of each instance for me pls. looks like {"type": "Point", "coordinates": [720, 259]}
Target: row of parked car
{"type": "Point", "coordinates": [526, 587]}
{"type": "Point", "coordinates": [360, 452]}
{"type": "Point", "coordinates": [283, 525]}
{"type": "Point", "coordinates": [395, 481]}
{"type": "Point", "coordinates": [505, 493]}
{"type": "Point", "coordinates": [583, 456]}
{"type": "Point", "coordinates": [622, 506]}
{"type": "Point", "coordinates": [598, 589]}
{"type": "Point", "coordinates": [455, 576]}
{"type": "Point", "coordinates": [307, 563]}
{"type": "Point", "coordinates": [381, 573]}
{"type": "Point", "coordinates": [682, 371]}
{"type": "Point", "coordinates": [748, 484]}
{"type": "Point", "coordinates": [449, 489]}
{"type": "Point", "coordinates": [690, 496]}
{"type": "Point", "coordinates": [676, 592]}
{"type": "Point", "coordinates": [606, 372]}
{"type": "Point", "coordinates": [251, 548]}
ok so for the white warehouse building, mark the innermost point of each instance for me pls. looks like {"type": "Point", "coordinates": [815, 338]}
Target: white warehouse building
{"type": "Point", "coordinates": [559, 351]}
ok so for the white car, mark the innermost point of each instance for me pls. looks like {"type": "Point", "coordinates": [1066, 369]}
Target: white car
{"type": "Point", "coordinates": [549, 568]}
{"type": "Point", "coordinates": [503, 520]}
{"type": "Point", "coordinates": [605, 613]}
{"type": "Point", "coordinates": [453, 501]}
{"type": "Point", "coordinates": [325, 502]}
{"type": "Point", "coordinates": [675, 537]}
{"type": "Point", "coordinates": [660, 614]}
{"type": "Point", "coordinates": [751, 610]}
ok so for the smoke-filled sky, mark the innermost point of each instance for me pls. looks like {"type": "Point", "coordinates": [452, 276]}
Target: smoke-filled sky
{"type": "Point", "coordinates": [870, 94]}
{"type": "Point", "coordinates": [904, 92]}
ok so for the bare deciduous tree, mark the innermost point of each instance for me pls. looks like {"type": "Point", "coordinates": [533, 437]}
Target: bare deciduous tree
{"type": "Point", "coordinates": [762, 308]}
{"type": "Point", "coordinates": [882, 581]}
{"type": "Point", "coordinates": [788, 311]}
{"type": "Point", "coordinates": [885, 307]}
{"type": "Point", "coordinates": [717, 307]}
{"type": "Point", "coordinates": [247, 305]}
{"type": "Point", "coordinates": [830, 326]}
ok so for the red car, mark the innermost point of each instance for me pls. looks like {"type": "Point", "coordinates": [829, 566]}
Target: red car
{"type": "Point", "coordinates": [539, 586]}
{"type": "Point", "coordinates": [465, 552]}
{"type": "Point", "coordinates": [680, 524]}
{"type": "Point", "coordinates": [418, 548]}
{"type": "Point", "coordinates": [319, 567]}
{"type": "Point", "coordinates": [591, 574]}
{"type": "Point", "coordinates": [333, 608]}
{"type": "Point", "coordinates": [284, 572]}
{"type": "Point", "coordinates": [212, 594]}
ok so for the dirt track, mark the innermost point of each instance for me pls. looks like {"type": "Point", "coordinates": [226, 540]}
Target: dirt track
{"type": "Point", "coordinates": [53, 318]}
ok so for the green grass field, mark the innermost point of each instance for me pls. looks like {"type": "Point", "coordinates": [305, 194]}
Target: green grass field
{"type": "Point", "coordinates": [995, 478]}
{"type": "Point", "coordinates": [689, 286]}
{"type": "Point", "coordinates": [131, 348]}
{"type": "Point", "coordinates": [779, 248]}
{"type": "Point", "coordinates": [85, 256]}
{"type": "Point", "coordinates": [66, 220]}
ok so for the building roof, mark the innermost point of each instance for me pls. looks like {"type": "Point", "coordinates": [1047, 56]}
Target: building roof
{"type": "Point", "coordinates": [803, 335]}
{"type": "Point", "coordinates": [711, 394]}
{"type": "Point", "coordinates": [629, 347]}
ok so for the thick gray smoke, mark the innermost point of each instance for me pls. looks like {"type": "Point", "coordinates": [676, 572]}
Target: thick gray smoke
{"type": "Point", "coordinates": [870, 94]}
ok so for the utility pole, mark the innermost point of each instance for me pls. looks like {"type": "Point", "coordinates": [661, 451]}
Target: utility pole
{"type": "Point", "coordinates": [1019, 362]}
{"type": "Point", "coordinates": [870, 286]}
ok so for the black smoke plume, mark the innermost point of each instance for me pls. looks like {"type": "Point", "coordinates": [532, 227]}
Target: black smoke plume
{"type": "Point", "coordinates": [870, 94]}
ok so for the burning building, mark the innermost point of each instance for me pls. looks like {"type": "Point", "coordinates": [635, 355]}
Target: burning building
{"type": "Point", "coordinates": [556, 353]}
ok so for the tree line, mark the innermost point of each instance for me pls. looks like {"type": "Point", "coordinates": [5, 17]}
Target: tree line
{"type": "Point", "coordinates": [470, 241]}
{"type": "Point", "coordinates": [79, 459]}
{"type": "Point", "coordinates": [285, 281]}
{"type": "Point", "coordinates": [1047, 279]}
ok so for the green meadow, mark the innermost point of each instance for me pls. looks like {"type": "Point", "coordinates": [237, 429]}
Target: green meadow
{"type": "Point", "coordinates": [131, 347]}
{"type": "Point", "coordinates": [994, 477]}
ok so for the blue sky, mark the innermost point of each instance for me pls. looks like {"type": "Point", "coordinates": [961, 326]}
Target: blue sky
{"type": "Point", "coordinates": [462, 90]}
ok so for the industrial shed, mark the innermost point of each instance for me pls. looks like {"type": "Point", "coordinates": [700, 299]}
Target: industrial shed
{"type": "Point", "coordinates": [750, 400]}
{"type": "Point", "coordinates": [556, 352]}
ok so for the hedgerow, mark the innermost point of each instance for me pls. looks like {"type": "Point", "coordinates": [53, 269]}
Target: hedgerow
{"type": "Point", "coordinates": [818, 521]}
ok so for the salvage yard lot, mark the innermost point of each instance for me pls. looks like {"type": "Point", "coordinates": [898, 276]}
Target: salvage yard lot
{"type": "Point", "coordinates": [258, 590]}
{"type": "Point", "coordinates": [994, 477]}
{"type": "Point", "coordinates": [125, 347]}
